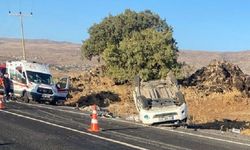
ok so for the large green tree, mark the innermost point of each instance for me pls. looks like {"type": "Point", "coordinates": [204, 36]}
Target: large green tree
{"type": "Point", "coordinates": [150, 54]}
{"type": "Point", "coordinates": [133, 44]}
{"type": "Point", "coordinates": [114, 29]}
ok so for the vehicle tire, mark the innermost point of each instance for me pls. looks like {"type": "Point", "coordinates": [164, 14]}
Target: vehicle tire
{"type": "Point", "coordinates": [53, 103]}
{"type": "Point", "coordinates": [184, 123]}
{"type": "Point", "coordinates": [26, 97]}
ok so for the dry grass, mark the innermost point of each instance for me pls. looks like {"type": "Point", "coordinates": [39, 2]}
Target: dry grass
{"type": "Point", "coordinates": [217, 106]}
{"type": "Point", "coordinates": [102, 91]}
{"type": "Point", "coordinates": [208, 110]}
{"type": "Point", "coordinates": [202, 108]}
{"type": "Point", "coordinates": [246, 132]}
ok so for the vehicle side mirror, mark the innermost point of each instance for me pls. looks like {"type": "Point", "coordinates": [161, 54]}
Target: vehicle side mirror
{"type": "Point", "coordinates": [58, 85]}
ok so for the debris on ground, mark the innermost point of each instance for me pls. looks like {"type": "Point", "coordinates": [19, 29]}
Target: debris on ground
{"type": "Point", "coordinates": [101, 112]}
{"type": "Point", "coordinates": [234, 130]}
{"type": "Point", "coordinates": [134, 118]}
{"type": "Point", "coordinates": [105, 113]}
{"type": "Point", "coordinates": [219, 77]}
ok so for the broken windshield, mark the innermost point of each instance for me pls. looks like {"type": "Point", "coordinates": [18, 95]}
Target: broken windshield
{"type": "Point", "coordinates": [38, 77]}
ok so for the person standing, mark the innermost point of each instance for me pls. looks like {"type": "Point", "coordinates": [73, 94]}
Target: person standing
{"type": "Point", "coordinates": [6, 85]}
{"type": "Point", "coordinates": [1, 85]}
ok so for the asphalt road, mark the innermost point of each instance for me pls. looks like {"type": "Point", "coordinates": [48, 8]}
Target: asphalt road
{"type": "Point", "coordinates": [45, 127]}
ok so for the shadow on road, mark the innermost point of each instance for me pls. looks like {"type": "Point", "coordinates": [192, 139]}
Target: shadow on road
{"type": "Point", "coordinates": [7, 143]}
{"type": "Point", "coordinates": [223, 125]}
{"type": "Point", "coordinates": [126, 128]}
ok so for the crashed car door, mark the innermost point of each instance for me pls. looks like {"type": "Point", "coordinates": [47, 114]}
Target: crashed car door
{"type": "Point", "coordinates": [63, 87]}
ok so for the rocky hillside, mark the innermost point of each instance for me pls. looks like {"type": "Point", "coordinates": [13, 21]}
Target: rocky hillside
{"type": "Point", "coordinates": [41, 50]}
{"type": "Point", "coordinates": [65, 54]}
{"type": "Point", "coordinates": [61, 55]}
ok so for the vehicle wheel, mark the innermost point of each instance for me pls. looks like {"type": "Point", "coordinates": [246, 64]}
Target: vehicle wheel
{"type": "Point", "coordinates": [26, 98]}
{"type": "Point", "coordinates": [184, 120]}
{"type": "Point", "coordinates": [53, 102]}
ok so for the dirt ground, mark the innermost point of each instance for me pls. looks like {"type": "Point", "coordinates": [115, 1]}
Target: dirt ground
{"type": "Point", "coordinates": [217, 106]}
{"type": "Point", "coordinates": [88, 88]}
{"type": "Point", "coordinates": [220, 111]}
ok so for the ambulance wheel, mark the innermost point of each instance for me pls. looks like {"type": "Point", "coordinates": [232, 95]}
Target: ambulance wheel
{"type": "Point", "coordinates": [53, 103]}
{"type": "Point", "coordinates": [26, 98]}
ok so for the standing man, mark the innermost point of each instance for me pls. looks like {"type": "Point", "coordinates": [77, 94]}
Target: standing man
{"type": "Point", "coordinates": [1, 84]}
{"type": "Point", "coordinates": [6, 85]}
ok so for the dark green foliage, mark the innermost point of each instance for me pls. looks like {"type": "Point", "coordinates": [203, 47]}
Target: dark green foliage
{"type": "Point", "coordinates": [113, 29]}
{"type": "Point", "coordinates": [133, 43]}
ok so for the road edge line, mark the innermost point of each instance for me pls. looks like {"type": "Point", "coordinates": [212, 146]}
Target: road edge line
{"type": "Point", "coordinates": [75, 130]}
{"type": "Point", "coordinates": [159, 128]}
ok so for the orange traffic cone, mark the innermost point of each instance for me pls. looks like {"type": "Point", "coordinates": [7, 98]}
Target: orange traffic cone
{"type": "Point", "coordinates": [1, 102]}
{"type": "Point", "coordinates": [94, 127]}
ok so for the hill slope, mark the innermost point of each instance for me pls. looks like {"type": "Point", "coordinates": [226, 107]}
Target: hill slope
{"type": "Point", "coordinates": [199, 59]}
{"type": "Point", "coordinates": [65, 53]}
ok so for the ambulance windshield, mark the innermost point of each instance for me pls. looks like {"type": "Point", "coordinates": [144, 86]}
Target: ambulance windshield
{"type": "Point", "coordinates": [38, 77]}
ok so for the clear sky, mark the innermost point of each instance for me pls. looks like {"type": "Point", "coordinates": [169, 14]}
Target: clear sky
{"type": "Point", "coordinates": [214, 25]}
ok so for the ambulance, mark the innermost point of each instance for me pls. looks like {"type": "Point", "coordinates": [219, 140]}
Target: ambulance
{"type": "Point", "coordinates": [33, 81]}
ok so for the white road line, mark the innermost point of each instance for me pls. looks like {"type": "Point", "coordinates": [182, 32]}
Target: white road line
{"type": "Point", "coordinates": [219, 134]}
{"type": "Point", "coordinates": [74, 130]}
{"type": "Point", "coordinates": [53, 108]}
{"type": "Point", "coordinates": [174, 131]}
{"type": "Point", "coordinates": [154, 143]}
{"type": "Point", "coordinates": [209, 137]}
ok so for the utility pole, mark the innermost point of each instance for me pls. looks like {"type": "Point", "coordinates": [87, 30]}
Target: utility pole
{"type": "Point", "coordinates": [21, 15]}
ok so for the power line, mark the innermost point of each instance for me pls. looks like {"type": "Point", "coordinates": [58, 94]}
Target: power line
{"type": "Point", "coordinates": [21, 15]}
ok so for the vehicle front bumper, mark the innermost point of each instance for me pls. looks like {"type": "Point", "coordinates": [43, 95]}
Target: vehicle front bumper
{"type": "Point", "coordinates": [171, 115]}
{"type": "Point", "coordinates": [45, 97]}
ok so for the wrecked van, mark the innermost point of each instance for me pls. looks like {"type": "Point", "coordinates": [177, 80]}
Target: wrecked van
{"type": "Point", "coordinates": [33, 81]}
{"type": "Point", "coordinates": [160, 101]}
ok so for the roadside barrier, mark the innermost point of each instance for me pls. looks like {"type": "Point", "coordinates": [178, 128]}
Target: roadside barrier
{"type": "Point", "coordinates": [94, 127]}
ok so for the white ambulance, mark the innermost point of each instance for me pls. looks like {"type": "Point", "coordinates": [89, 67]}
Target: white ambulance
{"type": "Point", "coordinates": [33, 81]}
